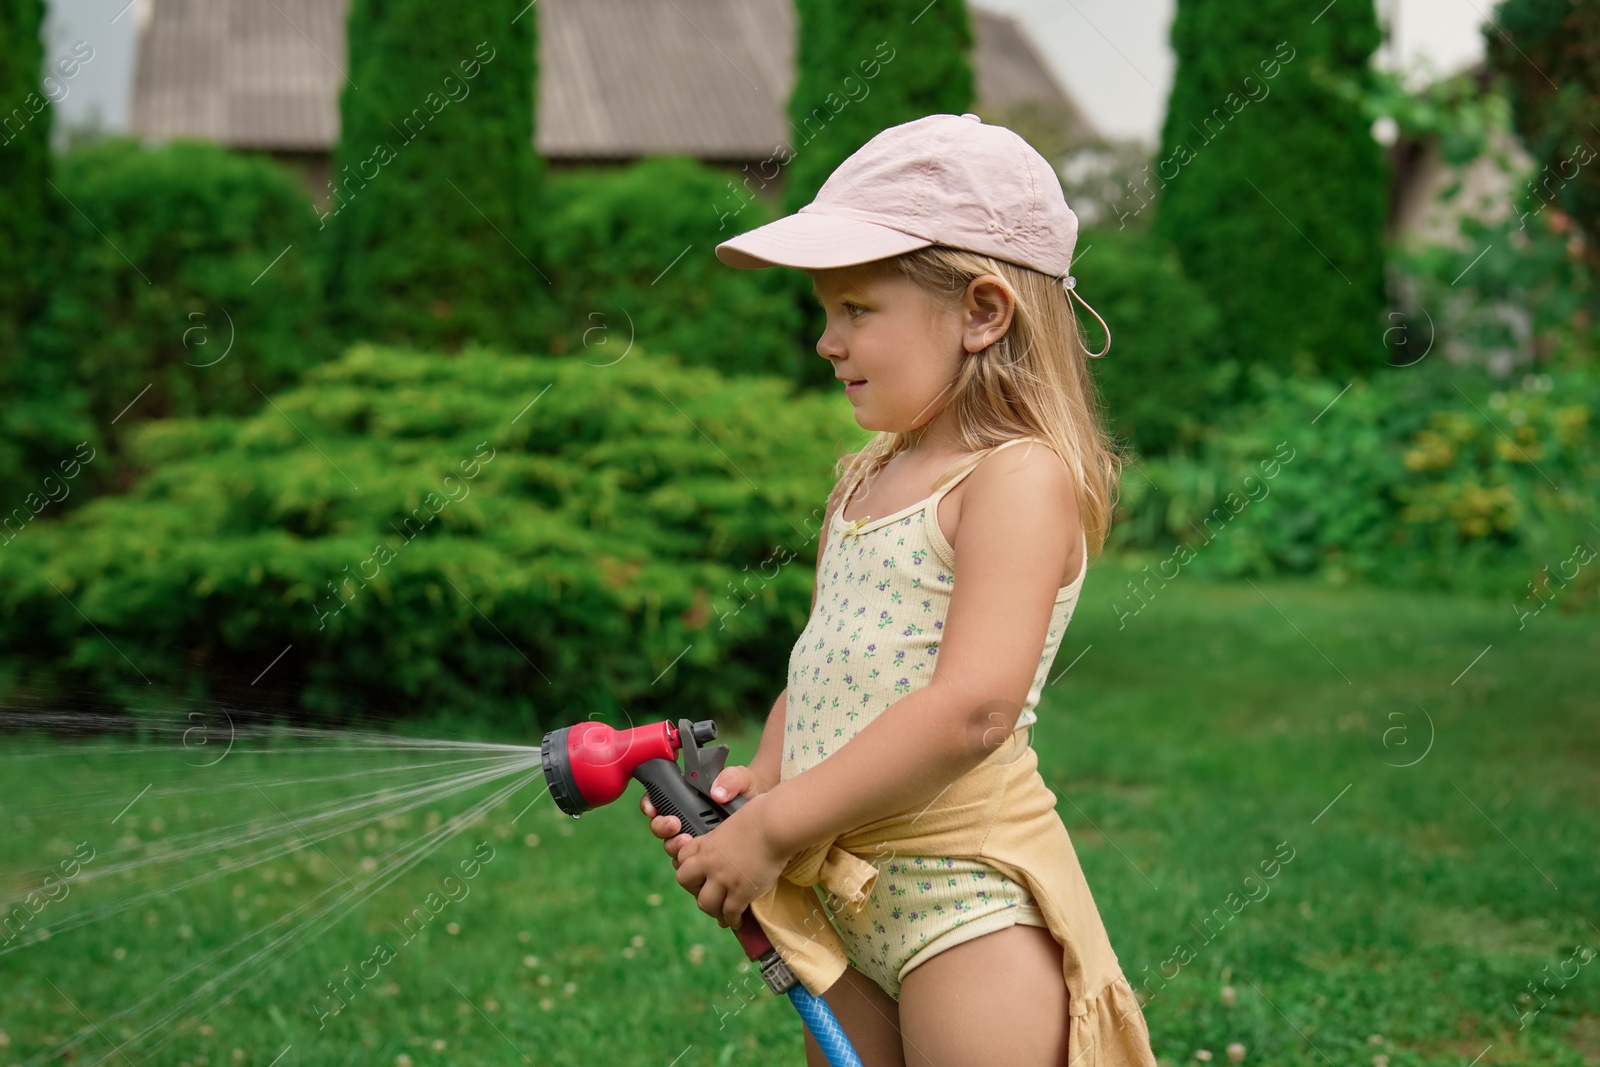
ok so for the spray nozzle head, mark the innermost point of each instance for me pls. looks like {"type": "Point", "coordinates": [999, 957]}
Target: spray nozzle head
{"type": "Point", "coordinates": [590, 764]}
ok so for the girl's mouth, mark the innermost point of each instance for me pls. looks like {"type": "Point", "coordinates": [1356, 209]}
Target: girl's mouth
{"type": "Point", "coordinates": [851, 387]}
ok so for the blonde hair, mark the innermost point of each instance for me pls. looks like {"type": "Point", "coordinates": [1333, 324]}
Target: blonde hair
{"type": "Point", "coordinates": [1033, 382]}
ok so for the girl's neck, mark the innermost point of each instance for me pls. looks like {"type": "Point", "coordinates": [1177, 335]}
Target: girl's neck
{"type": "Point", "coordinates": [936, 437]}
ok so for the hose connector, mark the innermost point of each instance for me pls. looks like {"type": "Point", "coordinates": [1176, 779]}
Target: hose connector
{"type": "Point", "coordinates": [778, 976]}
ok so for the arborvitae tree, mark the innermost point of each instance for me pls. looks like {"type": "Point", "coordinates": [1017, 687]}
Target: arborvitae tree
{"type": "Point", "coordinates": [42, 418]}
{"type": "Point", "coordinates": [1270, 183]}
{"type": "Point", "coordinates": [429, 241]}
{"type": "Point", "coordinates": [1549, 52]}
{"type": "Point", "coordinates": [24, 168]}
{"type": "Point", "coordinates": [861, 67]}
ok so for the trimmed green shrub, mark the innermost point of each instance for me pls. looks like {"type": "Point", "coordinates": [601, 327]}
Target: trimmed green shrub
{"type": "Point", "coordinates": [526, 540]}
{"type": "Point", "coordinates": [182, 288]}
{"type": "Point", "coordinates": [1271, 186]}
{"type": "Point", "coordinates": [632, 255]}
{"type": "Point", "coordinates": [1427, 480]}
{"type": "Point", "coordinates": [1163, 380]}
{"type": "Point", "coordinates": [862, 66]}
{"type": "Point", "coordinates": [430, 240]}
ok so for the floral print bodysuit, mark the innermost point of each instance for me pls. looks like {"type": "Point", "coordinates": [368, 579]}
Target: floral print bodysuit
{"type": "Point", "coordinates": [883, 591]}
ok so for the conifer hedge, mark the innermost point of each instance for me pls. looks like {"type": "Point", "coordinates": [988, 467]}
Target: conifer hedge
{"type": "Point", "coordinates": [428, 232]}
{"type": "Point", "coordinates": [862, 66]}
{"type": "Point", "coordinates": [1270, 183]}
{"type": "Point", "coordinates": [36, 412]}
{"type": "Point", "coordinates": [25, 115]}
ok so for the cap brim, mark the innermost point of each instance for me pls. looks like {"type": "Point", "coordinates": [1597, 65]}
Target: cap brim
{"type": "Point", "coordinates": [813, 241]}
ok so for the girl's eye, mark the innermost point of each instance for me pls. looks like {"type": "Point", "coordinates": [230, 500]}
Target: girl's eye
{"type": "Point", "coordinates": [851, 309]}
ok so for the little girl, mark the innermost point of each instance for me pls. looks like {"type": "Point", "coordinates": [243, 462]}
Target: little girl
{"type": "Point", "coordinates": [898, 845]}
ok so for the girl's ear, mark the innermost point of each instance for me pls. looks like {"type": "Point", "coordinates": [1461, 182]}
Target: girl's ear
{"type": "Point", "coordinates": [987, 307]}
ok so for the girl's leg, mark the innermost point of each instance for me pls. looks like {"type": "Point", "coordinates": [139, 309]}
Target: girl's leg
{"type": "Point", "coordinates": [999, 998]}
{"type": "Point", "coordinates": [871, 1020]}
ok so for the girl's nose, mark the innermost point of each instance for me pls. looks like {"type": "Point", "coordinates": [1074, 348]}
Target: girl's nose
{"type": "Point", "coordinates": [828, 346]}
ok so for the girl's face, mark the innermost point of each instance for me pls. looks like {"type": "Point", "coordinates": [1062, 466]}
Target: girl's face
{"type": "Point", "coordinates": [887, 334]}
{"type": "Point", "coordinates": [903, 347]}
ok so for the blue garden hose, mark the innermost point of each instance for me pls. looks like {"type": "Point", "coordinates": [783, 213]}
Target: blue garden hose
{"type": "Point", "coordinates": [824, 1027]}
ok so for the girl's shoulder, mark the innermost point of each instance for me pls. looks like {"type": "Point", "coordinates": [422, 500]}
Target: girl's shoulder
{"type": "Point", "coordinates": [1027, 489]}
{"type": "Point", "coordinates": [1025, 462]}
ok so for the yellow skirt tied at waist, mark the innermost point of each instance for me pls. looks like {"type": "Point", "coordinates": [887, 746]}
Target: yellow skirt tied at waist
{"type": "Point", "coordinates": [1002, 813]}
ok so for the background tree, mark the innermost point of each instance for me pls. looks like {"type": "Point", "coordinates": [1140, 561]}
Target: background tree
{"type": "Point", "coordinates": [861, 67]}
{"type": "Point", "coordinates": [434, 176]}
{"type": "Point", "coordinates": [25, 115]}
{"type": "Point", "coordinates": [35, 417]}
{"type": "Point", "coordinates": [1273, 189]}
{"type": "Point", "coordinates": [1549, 53]}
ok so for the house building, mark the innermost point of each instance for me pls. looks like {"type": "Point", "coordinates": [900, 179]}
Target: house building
{"type": "Point", "coordinates": [618, 79]}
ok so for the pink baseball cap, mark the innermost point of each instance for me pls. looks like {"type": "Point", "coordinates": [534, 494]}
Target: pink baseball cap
{"type": "Point", "coordinates": [949, 180]}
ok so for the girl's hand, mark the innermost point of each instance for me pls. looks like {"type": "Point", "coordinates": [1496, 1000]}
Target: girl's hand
{"type": "Point", "coordinates": [732, 865]}
{"type": "Point", "coordinates": [732, 782]}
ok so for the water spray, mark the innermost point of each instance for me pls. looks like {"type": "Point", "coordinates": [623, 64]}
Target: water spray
{"type": "Point", "coordinates": [590, 764]}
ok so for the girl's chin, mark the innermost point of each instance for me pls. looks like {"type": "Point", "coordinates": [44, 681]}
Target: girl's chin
{"type": "Point", "coordinates": [869, 422]}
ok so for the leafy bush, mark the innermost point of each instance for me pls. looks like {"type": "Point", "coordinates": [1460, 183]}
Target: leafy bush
{"type": "Point", "coordinates": [1514, 296]}
{"type": "Point", "coordinates": [1545, 49]}
{"type": "Point", "coordinates": [1442, 481]}
{"type": "Point", "coordinates": [632, 254]}
{"type": "Point", "coordinates": [183, 268]}
{"type": "Point", "coordinates": [577, 531]}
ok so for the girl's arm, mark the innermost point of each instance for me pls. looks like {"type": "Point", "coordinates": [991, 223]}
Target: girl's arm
{"type": "Point", "coordinates": [1019, 520]}
{"type": "Point", "coordinates": [767, 763]}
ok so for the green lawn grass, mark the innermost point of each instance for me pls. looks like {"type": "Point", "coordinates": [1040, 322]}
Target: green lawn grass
{"type": "Point", "coordinates": [1436, 802]}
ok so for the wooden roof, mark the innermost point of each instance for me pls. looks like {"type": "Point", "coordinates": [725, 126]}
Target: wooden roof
{"type": "Point", "coordinates": [618, 79]}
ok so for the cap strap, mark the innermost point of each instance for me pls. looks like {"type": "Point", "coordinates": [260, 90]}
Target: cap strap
{"type": "Point", "coordinates": [1069, 285]}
